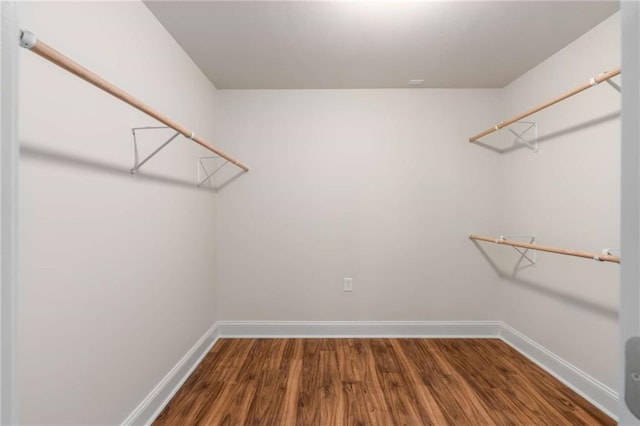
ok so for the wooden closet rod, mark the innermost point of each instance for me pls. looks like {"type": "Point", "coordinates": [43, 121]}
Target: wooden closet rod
{"type": "Point", "coordinates": [586, 255]}
{"type": "Point", "coordinates": [29, 41]}
{"type": "Point", "coordinates": [596, 80]}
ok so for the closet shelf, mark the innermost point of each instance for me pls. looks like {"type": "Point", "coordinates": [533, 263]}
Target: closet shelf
{"type": "Point", "coordinates": [29, 41]}
{"type": "Point", "coordinates": [586, 255]}
{"type": "Point", "coordinates": [592, 82]}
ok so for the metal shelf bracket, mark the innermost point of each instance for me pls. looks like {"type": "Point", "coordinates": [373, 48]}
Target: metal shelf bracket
{"type": "Point", "coordinates": [524, 253]}
{"type": "Point", "coordinates": [611, 251]}
{"type": "Point", "coordinates": [203, 170]}
{"type": "Point", "coordinates": [532, 144]}
{"type": "Point", "coordinates": [615, 85]}
{"type": "Point", "coordinates": [136, 159]}
{"type": "Point", "coordinates": [610, 82]}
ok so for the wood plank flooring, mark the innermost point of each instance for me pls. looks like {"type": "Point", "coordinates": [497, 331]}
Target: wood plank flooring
{"type": "Point", "coordinates": [373, 382]}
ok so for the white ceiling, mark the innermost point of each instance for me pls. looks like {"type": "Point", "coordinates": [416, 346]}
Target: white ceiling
{"type": "Point", "coordinates": [373, 44]}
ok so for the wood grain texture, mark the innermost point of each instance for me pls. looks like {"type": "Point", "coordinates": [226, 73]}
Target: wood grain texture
{"type": "Point", "coordinates": [591, 83]}
{"type": "Point", "coordinates": [556, 250]}
{"type": "Point", "coordinates": [66, 63]}
{"type": "Point", "coordinates": [373, 382]}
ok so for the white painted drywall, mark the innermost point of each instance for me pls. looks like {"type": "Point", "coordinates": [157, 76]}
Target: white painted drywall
{"type": "Point", "coordinates": [368, 45]}
{"type": "Point", "coordinates": [377, 185]}
{"type": "Point", "coordinates": [567, 195]}
{"type": "Point", "coordinates": [117, 273]}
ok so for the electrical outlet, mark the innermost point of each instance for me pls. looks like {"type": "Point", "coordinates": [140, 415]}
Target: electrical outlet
{"type": "Point", "coordinates": [348, 284]}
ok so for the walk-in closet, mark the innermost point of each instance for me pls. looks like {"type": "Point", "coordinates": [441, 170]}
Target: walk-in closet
{"type": "Point", "coordinates": [320, 213]}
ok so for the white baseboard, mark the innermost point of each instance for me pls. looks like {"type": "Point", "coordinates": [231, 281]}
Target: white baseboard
{"type": "Point", "coordinates": [150, 407]}
{"type": "Point", "coordinates": [597, 393]}
{"type": "Point", "coordinates": [359, 328]}
{"type": "Point", "coordinates": [591, 389]}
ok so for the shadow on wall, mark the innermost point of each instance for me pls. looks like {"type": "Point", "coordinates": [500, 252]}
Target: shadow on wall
{"type": "Point", "coordinates": [43, 154]}
{"type": "Point", "coordinates": [551, 136]}
{"type": "Point", "coordinates": [571, 299]}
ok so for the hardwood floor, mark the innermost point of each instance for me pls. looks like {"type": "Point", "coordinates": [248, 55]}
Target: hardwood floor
{"type": "Point", "coordinates": [373, 382]}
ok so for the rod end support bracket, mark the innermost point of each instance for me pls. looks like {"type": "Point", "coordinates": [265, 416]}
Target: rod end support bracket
{"type": "Point", "coordinates": [27, 39]}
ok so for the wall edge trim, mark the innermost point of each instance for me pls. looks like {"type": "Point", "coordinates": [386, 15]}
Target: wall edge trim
{"type": "Point", "coordinates": [153, 404]}
{"type": "Point", "coordinates": [318, 329]}
{"type": "Point", "coordinates": [591, 389]}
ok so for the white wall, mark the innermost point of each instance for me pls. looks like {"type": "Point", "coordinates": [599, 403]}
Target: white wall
{"type": "Point", "coordinates": [117, 273]}
{"type": "Point", "coordinates": [567, 195]}
{"type": "Point", "coordinates": [378, 185]}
